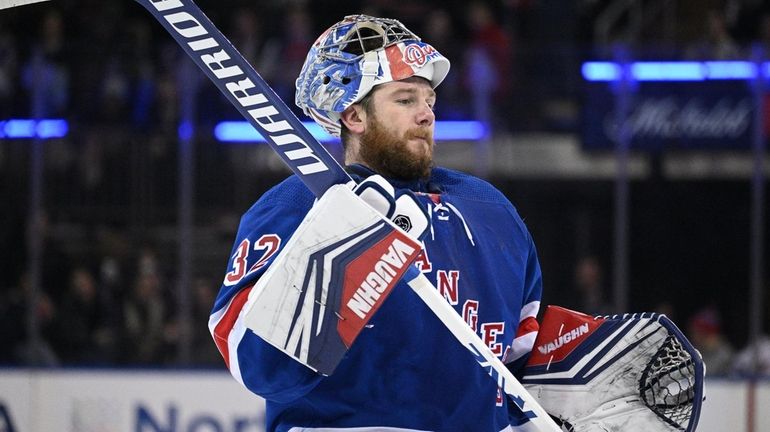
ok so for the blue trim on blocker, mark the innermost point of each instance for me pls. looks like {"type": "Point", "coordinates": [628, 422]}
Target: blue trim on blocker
{"type": "Point", "coordinates": [243, 132]}
{"type": "Point", "coordinates": [675, 71]}
{"type": "Point", "coordinates": [30, 128]}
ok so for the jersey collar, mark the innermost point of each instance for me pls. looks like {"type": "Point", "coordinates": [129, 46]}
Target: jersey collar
{"type": "Point", "coordinates": [360, 172]}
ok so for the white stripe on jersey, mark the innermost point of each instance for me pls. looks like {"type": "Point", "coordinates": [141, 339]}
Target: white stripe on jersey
{"type": "Point", "coordinates": [215, 318]}
{"type": "Point", "coordinates": [233, 340]}
{"type": "Point", "coordinates": [522, 345]}
{"type": "Point", "coordinates": [529, 310]}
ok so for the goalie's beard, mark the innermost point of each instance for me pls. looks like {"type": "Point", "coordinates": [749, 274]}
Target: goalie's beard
{"type": "Point", "coordinates": [390, 155]}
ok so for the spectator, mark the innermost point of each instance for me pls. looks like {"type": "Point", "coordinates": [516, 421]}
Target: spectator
{"type": "Point", "coordinates": [19, 346]}
{"type": "Point", "coordinates": [8, 70]}
{"type": "Point", "coordinates": [47, 72]}
{"type": "Point", "coordinates": [283, 55]}
{"type": "Point", "coordinates": [441, 31]}
{"type": "Point", "coordinates": [488, 63]}
{"type": "Point", "coordinates": [144, 314]}
{"type": "Point", "coordinates": [111, 294]}
{"type": "Point", "coordinates": [142, 73]}
{"type": "Point", "coordinates": [705, 333]}
{"type": "Point", "coordinates": [56, 262]}
{"type": "Point", "coordinates": [204, 351]}
{"type": "Point", "coordinates": [754, 359]}
{"type": "Point", "coordinates": [717, 44]}
{"type": "Point", "coordinates": [82, 333]}
{"type": "Point", "coordinates": [247, 34]}
{"type": "Point", "coordinates": [13, 318]}
{"type": "Point", "coordinates": [167, 89]}
{"type": "Point", "coordinates": [588, 295]}
{"type": "Point", "coordinates": [115, 91]}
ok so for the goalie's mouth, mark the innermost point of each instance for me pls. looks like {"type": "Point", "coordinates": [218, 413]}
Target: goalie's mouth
{"type": "Point", "coordinates": [419, 135]}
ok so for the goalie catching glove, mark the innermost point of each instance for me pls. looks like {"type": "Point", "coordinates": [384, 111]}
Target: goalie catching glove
{"type": "Point", "coordinates": [631, 372]}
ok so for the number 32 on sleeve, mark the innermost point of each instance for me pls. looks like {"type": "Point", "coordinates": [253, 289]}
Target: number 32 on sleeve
{"type": "Point", "coordinates": [268, 244]}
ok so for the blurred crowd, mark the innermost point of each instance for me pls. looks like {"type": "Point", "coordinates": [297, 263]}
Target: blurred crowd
{"type": "Point", "coordinates": [113, 73]}
{"type": "Point", "coordinates": [121, 308]}
{"type": "Point", "coordinates": [110, 62]}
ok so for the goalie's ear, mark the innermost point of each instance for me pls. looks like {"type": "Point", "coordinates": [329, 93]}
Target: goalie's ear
{"type": "Point", "coordinates": [354, 118]}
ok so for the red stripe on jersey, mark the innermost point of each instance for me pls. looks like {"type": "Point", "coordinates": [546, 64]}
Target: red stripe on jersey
{"type": "Point", "coordinates": [398, 69]}
{"type": "Point", "coordinates": [225, 326]}
{"type": "Point", "coordinates": [528, 325]}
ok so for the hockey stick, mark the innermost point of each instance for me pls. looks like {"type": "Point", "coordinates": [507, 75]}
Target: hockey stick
{"type": "Point", "coordinates": [310, 161]}
{"type": "Point", "coordinates": [7, 4]}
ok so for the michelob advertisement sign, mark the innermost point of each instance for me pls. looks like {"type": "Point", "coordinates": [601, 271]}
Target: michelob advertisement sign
{"type": "Point", "coordinates": [670, 115]}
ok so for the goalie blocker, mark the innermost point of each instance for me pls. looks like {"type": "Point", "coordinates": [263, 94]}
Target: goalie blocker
{"type": "Point", "coordinates": [329, 280]}
{"type": "Point", "coordinates": [631, 372]}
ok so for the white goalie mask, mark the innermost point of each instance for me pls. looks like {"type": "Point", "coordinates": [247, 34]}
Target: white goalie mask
{"type": "Point", "coordinates": [352, 57]}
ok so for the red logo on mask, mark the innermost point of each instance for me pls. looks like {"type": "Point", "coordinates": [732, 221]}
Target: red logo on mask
{"type": "Point", "coordinates": [417, 55]}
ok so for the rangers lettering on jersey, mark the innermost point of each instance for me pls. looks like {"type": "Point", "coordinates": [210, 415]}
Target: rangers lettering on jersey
{"type": "Point", "coordinates": [378, 280]}
{"type": "Point", "coordinates": [563, 339]}
{"type": "Point", "coordinates": [215, 56]}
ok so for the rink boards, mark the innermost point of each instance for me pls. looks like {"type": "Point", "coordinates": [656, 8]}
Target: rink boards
{"type": "Point", "coordinates": [211, 401]}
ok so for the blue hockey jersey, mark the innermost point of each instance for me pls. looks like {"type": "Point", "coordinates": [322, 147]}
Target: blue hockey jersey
{"type": "Point", "coordinates": [406, 371]}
